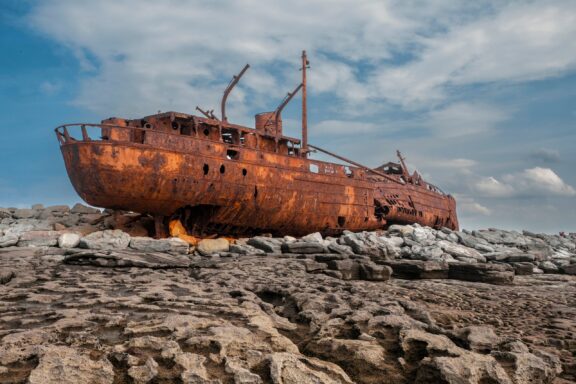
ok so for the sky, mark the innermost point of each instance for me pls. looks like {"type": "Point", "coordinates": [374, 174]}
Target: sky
{"type": "Point", "coordinates": [480, 96]}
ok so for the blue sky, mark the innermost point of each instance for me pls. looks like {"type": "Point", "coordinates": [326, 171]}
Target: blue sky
{"type": "Point", "coordinates": [479, 96]}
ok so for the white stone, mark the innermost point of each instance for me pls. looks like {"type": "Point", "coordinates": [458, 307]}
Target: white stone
{"type": "Point", "coordinates": [68, 240]}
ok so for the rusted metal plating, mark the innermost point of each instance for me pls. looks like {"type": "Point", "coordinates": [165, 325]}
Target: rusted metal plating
{"type": "Point", "coordinates": [219, 177]}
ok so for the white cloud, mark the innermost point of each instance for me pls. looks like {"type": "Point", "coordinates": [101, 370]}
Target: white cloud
{"type": "Point", "coordinates": [489, 186]}
{"type": "Point", "coordinates": [539, 181]}
{"type": "Point", "coordinates": [530, 182]}
{"type": "Point", "coordinates": [143, 55]}
{"type": "Point", "coordinates": [467, 205]}
{"type": "Point", "coordinates": [519, 41]}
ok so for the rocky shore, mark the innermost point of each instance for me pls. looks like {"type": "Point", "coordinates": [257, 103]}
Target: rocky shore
{"type": "Point", "coordinates": [87, 296]}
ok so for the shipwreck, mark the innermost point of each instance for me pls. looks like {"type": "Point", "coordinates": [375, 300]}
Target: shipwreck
{"type": "Point", "coordinates": [216, 177]}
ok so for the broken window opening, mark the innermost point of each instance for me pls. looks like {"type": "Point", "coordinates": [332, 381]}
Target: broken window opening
{"type": "Point", "coordinates": [205, 168]}
{"type": "Point", "coordinates": [232, 154]}
{"type": "Point", "coordinates": [314, 168]}
{"type": "Point", "coordinates": [341, 221]}
{"type": "Point", "coordinates": [244, 172]}
{"type": "Point", "coordinates": [222, 169]}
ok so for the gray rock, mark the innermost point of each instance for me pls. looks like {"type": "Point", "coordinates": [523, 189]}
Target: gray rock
{"type": "Point", "coordinates": [417, 269]}
{"type": "Point", "coordinates": [303, 247]}
{"type": "Point", "coordinates": [69, 220]}
{"type": "Point", "coordinates": [374, 272]}
{"type": "Point", "coordinates": [171, 245]}
{"type": "Point", "coordinates": [266, 244]}
{"type": "Point", "coordinates": [523, 268]}
{"type": "Point", "coordinates": [486, 273]}
{"type": "Point", "coordinates": [426, 253]}
{"type": "Point", "coordinates": [548, 267]}
{"type": "Point", "coordinates": [340, 248]}
{"type": "Point", "coordinates": [39, 239]}
{"type": "Point", "coordinates": [245, 249]}
{"type": "Point", "coordinates": [8, 240]}
{"type": "Point", "coordinates": [107, 239]}
{"type": "Point", "coordinates": [68, 240]}
{"type": "Point", "coordinates": [459, 251]}
{"type": "Point", "coordinates": [349, 269]}
{"type": "Point", "coordinates": [404, 230]}
{"type": "Point", "coordinates": [24, 213]}
{"type": "Point", "coordinates": [315, 237]}
{"type": "Point", "coordinates": [82, 209]}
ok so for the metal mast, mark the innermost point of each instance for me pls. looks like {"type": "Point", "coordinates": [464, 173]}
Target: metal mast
{"type": "Point", "coordinates": [304, 108]}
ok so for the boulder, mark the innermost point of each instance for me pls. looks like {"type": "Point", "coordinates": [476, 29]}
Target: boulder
{"type": "Point", "coordinates": [548, 267]}
{"type": "Point", "coordinates": [315, 237]}
{"type": "Point", "coordinates": [374, 272]}
{"type": "Point", "coordinates": [173, 245]}
{"type": "Point", "coordinates": [349, 269]}
{"type": "Point", "coordinates": [68, 240]}
{"type": "Point", "coordinates": [522, 269]}
{"type": "Point", "coordinates": [25, 213]}
{"type": "Point", "coordinates": [459, 251]}
{"type": "Point", "coordinates": [8, 240]}
{"type": "Point", "coordinates": [417, 269]}
{"type": "Point", "coordinates": [82, 209]}
{"type": "Point", "coordinates": [266, 244]}
{"type": "Point", "coordinates": [107, 239]}
{"type": "Point", "coordinates": [65, 365]}
{"type": "Point", "coordinates": [486, 273]}
{"type": "Point", "coordinates": [342, 249]}
{"type": "Point", "coordinates": [39, 239]}
{"type": "Point", "coordinates": [404, 230]}
{"type": "Point", "coordinates": [303, 247]}
{"type": "Point", "coordinates": [245, 249]}
{"type": "Point", "coordinates": [208, 247]}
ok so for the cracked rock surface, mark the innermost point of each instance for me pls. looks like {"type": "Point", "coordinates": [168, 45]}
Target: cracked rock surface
{"type": "Point", "coordinates": [265, 319]}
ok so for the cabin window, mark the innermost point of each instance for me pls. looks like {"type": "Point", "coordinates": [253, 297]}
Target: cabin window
{"type": "Point", "coordinates": [244, 172]}
{"type": "Point", "coordinates": [205, 169]}
{"type": "Point", "coordinates": [314, 168]}
{"type": "Point", "coordinates": [232, 154]}
{"type": "Point", "coordinates": [348, 171]}
{"type": "Point", "coordinates": [222, 169]}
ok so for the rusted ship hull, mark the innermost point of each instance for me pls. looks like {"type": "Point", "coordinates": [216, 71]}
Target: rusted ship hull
{"type": "Point", "coordinates": [218, 177]}
{"type": "Point", "coordinates": [167, 174]}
